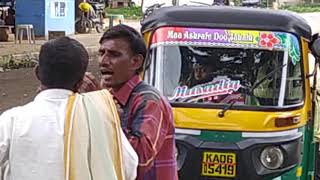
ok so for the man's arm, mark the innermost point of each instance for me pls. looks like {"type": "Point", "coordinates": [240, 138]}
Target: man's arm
{"type": "Point", "coordinates": [6, 123]}
{"type": "Point", "coordinates": [148, 131]}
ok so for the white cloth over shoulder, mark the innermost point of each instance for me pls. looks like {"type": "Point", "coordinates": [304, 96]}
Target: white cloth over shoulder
{"type": "Point", "coordinates": [94, 141]}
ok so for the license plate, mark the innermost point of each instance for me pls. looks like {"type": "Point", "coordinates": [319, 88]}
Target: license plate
{"type": "Point", "coordinates": [219, 164]}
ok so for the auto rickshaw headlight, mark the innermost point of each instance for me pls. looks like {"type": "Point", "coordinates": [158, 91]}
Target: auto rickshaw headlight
{"type": "Point", "coordinates": [272, 157]}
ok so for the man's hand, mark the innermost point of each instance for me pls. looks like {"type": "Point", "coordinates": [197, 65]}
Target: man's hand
{"type": "Point", "coordinates": [89, 83]}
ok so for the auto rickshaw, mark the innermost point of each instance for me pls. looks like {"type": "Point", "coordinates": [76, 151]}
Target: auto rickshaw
{"type": "Point", "coordinates": [244, 99]}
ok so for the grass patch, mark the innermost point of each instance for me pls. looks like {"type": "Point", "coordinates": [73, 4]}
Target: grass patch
{"type": "Point", "coordinates": [10, 62]}
{"type": "Point", "coordinates": [303, 8]}
{"type": "Point", "coordinates": [133, 13]}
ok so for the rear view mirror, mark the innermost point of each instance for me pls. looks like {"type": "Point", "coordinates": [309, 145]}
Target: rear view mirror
{"type": "Point", "coordinates": [315, 48]}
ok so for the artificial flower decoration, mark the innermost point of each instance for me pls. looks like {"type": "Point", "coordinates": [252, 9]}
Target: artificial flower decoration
{"type": "Point", "coordinates": [268, 40]}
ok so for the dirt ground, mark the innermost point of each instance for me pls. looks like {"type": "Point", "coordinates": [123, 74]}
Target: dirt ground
{"type": "Point", "coordinates": [18, 87]}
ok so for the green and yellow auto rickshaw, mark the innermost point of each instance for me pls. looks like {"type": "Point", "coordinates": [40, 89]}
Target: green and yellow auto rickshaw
{"type": "Point", "coordinates": [243, 96]}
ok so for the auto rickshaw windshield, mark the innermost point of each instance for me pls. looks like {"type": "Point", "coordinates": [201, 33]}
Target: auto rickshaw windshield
{"type": "Point", "coordinates": [220, 74]}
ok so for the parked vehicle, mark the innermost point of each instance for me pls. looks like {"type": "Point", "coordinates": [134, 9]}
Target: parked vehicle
{"type": "Point", "coordinates": [151, 9]}
{"type": "Point", "coordinates": [244, 100]}
{"type": "Point", "coordinates": [148, 5]}
{"type": "Point", "coordinates": [86, 22]}
{"type": "Point", "coordinates": [251, 3]}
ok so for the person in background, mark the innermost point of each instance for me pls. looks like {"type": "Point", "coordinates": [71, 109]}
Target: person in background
{"type": "Point", "coordinates": [146, 116]}
{"type": "Point", "coordinates": [10, 19]}
{"type": "Point", "coordinates": [87, 8]}
{"type": "Point", "coordinates": [201, 74]}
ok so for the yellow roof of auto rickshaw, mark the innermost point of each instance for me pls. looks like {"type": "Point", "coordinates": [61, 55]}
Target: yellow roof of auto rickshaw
{"type": "Point", "coordinates": [227, 18]}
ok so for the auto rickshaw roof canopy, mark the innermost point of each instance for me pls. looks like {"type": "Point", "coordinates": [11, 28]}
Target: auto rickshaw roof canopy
{"type": "Point", "coordinates": [227, 18]}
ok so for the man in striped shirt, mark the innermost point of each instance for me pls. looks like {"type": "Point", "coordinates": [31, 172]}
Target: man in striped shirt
{"type": "Point", "coordinates": [146, 116]}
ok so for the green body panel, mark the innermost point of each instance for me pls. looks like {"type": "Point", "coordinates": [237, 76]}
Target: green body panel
{"type": "Point", "coordinates": [309, 154]}
{"type": "Point", "coordinates": [220, 136]}
{"type": "Point", "coordinates": [308, 150]}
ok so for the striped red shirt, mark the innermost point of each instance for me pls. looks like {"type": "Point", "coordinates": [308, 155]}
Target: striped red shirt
{"type": "Point", "coordinates": [148, 123]}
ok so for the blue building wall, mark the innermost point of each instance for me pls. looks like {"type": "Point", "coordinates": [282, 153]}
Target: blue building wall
{"type": "Point", "coordinates": [47, 15]}
{"type": "Point", "coordinates": [31, 12]}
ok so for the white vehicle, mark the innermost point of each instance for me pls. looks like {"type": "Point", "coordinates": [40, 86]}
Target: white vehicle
{"type": "Point", "coordinates": [164, 3]}
{"type": "Point", "coordinates": [148, 3]}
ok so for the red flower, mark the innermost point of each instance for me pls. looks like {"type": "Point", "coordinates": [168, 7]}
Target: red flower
{"type": "Point", "coordinates": [268, 40]}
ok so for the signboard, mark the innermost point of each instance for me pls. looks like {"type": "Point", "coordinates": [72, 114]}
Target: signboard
{"type": "Point", "coordinates": [228, 38]}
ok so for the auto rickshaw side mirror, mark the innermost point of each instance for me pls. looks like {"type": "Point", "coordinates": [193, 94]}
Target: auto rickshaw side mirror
{"type": "Point", "coordinates": [315, 46]}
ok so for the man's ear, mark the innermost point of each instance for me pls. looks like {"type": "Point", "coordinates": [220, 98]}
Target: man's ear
{"type": "Point", "coordinates": [137, 62]}
{"type": "Point", "coordinates": [36, 72]}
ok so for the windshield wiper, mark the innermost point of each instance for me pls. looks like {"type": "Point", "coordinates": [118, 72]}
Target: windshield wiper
{"type": "Point", "coordinates": [224, 110]}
